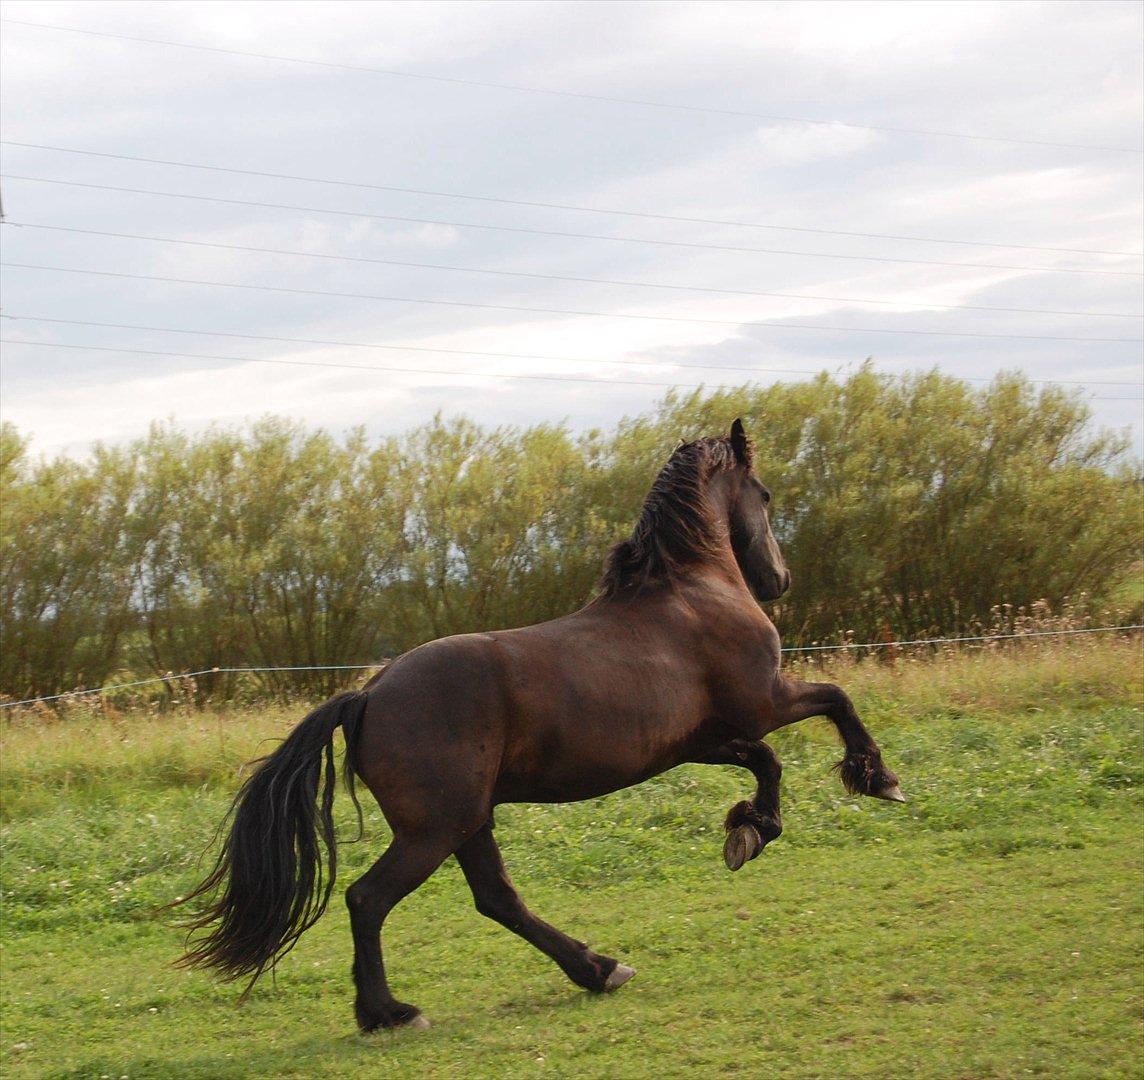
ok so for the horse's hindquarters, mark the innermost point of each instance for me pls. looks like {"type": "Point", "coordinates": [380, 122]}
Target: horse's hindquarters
{"type": "Point", "coordinates": [432, 738]}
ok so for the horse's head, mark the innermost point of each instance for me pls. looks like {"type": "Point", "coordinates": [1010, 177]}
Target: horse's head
{"type": "Point", "coordinates": [705, 496]}
{"type": "Point", "coordinates": [752, 539]}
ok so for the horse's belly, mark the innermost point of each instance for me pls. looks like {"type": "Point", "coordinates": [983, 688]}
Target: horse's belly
{"type": "Point", "coordinates": [560, 784]}
{"type": "Point", "coordinates": [584, 749]}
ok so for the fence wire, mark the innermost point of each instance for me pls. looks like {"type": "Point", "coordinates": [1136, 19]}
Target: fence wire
{"type": "Point", "coordinates": [172, 677]}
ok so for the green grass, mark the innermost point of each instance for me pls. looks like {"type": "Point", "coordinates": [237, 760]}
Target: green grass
{"type": "Point", "coordinates": [994, 927]}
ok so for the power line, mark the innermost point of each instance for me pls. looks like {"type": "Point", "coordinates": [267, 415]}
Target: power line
{"type": "Point", "coordinates": [431, 371]}
{"type": "Point", "coordinates": [409, 348]}
{"type": "Point", "coordinates": [415, 371]}
{"type": "Point", "coordinates": [564, 277]}
{"type": "Point", "coordinates": [566, 206]}
{"type": "Point", "coordinates": [174, 676]}
{"type": "Point", "coordinates": [564, 234]}
{"type": "Point", "coordinates": [569, 311]}
{"type": "Point", "coordinates": [454, 352]}
{"type": "Point", "coordinates": [485, 84]}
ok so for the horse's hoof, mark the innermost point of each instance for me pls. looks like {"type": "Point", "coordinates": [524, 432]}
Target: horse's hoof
{"type": "Point", "coordinates": [743, 843]}
{"type": "Point", "coordinates": [620, 975]}
{"type": "Point", "coordinates": [371, 1021]}
{"type": "Point", "coordinates": [891, 794]}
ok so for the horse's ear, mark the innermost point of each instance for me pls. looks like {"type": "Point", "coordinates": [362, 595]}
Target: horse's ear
{"type": "Point", "coordinates": [740, 444]}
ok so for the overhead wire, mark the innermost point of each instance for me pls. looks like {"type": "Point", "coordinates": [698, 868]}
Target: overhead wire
{"type": "Point", "coordinates": [426, 371]}
{"type": "Point", "coordinates": [763, 324]}
{"type": "Point", "coordinates": [565, 234]}
{"type": "Point", "coordinates": [389, 347]}
{"type": "Point", "coordinates": [666, 362]}
{"type": "Point", "coordinates": [521, 274]}
{"type": "Point", "coordinates": [565, 206]}
{"type": "Point", "coordinates": [898, 302]}
{"type": "Point", "coordinates": [577, 95]}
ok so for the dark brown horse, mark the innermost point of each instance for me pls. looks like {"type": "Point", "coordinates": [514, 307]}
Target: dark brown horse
{"type": "Point", "coordinates": [673, 662]}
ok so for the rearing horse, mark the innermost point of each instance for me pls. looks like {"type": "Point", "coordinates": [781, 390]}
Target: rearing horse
{"type": "Point", "coordinates": [674, 661]}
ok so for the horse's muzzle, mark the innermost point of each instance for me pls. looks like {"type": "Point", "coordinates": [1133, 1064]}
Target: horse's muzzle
{"type": "Point", "coordinates": [776, 584]}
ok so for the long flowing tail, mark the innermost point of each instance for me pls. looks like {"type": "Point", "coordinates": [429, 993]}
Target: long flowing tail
{"type": "Point", "coordinates": [272, 881]}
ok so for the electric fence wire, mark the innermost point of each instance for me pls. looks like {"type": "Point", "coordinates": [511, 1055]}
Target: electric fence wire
{"type": "Point", "coordinates": [174, 677]}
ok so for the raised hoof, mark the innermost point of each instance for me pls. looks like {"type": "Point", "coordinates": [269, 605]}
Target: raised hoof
{"type": "Point", "coordinates": [743, 843]}
{"type": "Point", "coordinates": [891, 794]}
{"type": "Point", "coordinates": [620, 975]}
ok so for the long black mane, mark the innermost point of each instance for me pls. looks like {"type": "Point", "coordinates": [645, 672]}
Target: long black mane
{"type": "Point", "coordinates": [676, 526]}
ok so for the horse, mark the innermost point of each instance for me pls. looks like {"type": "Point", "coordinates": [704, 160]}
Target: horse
{"type": "Point", "coordinates": [672, 661]}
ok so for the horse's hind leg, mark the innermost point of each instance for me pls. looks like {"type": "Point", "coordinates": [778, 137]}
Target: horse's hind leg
{"type": "Point", "coordinates": [406, 864]}
{"type": "Point", "coordinates": [497, 899]}
{"type": "Point", "coordinates": [750, 824]}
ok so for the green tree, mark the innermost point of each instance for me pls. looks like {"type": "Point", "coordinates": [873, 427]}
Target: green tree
{"type": "Point", "coordinates": [906, 505]}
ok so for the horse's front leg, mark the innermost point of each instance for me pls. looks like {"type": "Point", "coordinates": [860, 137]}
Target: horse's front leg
{"type": "Point", "coordinates": [862, 769]}
{"type": "Point", "coordinates": [752, 823]}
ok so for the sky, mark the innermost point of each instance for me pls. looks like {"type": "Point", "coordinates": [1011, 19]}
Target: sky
{"type": "Point", "coordinates": [790, 140]}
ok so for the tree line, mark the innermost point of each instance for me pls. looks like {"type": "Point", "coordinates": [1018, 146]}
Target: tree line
{"type": "Point", "coordinates": [906, 505]}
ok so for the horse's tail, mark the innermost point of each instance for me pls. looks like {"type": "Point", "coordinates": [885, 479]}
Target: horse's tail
{"type": "Point", "coordinates": [271, 882]}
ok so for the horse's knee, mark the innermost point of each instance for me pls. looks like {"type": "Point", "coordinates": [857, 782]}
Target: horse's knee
{"type": "Point", "coordinates": [486, 907]}
{"type": "Point", "coordinates": [360, 897]}
{"type": "Point", "coordinates": [500, 904]}
{"type": "Point", "coordinates": [758, 757]}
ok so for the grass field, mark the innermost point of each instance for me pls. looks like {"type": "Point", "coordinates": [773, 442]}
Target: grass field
{"type": "Point", "coordinates": [991, 928]}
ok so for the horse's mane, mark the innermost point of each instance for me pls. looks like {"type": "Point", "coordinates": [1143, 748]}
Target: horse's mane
{"type": "Point", "coordinates": [676, 526]}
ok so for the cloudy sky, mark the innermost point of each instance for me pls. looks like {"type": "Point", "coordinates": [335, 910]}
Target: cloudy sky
{"type": "Point", "coordinates": [791, 141]}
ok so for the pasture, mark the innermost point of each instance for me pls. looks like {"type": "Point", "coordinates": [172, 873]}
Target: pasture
{"type": "Point", "coordinates": [993, 927]}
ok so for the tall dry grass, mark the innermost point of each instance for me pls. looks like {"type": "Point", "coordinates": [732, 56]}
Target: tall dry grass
{"type": "Point", "coordinates": [88, 745]}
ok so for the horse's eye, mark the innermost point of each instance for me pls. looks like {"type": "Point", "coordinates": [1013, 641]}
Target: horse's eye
{"type": "Point", "coordinates": [765, 494]}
